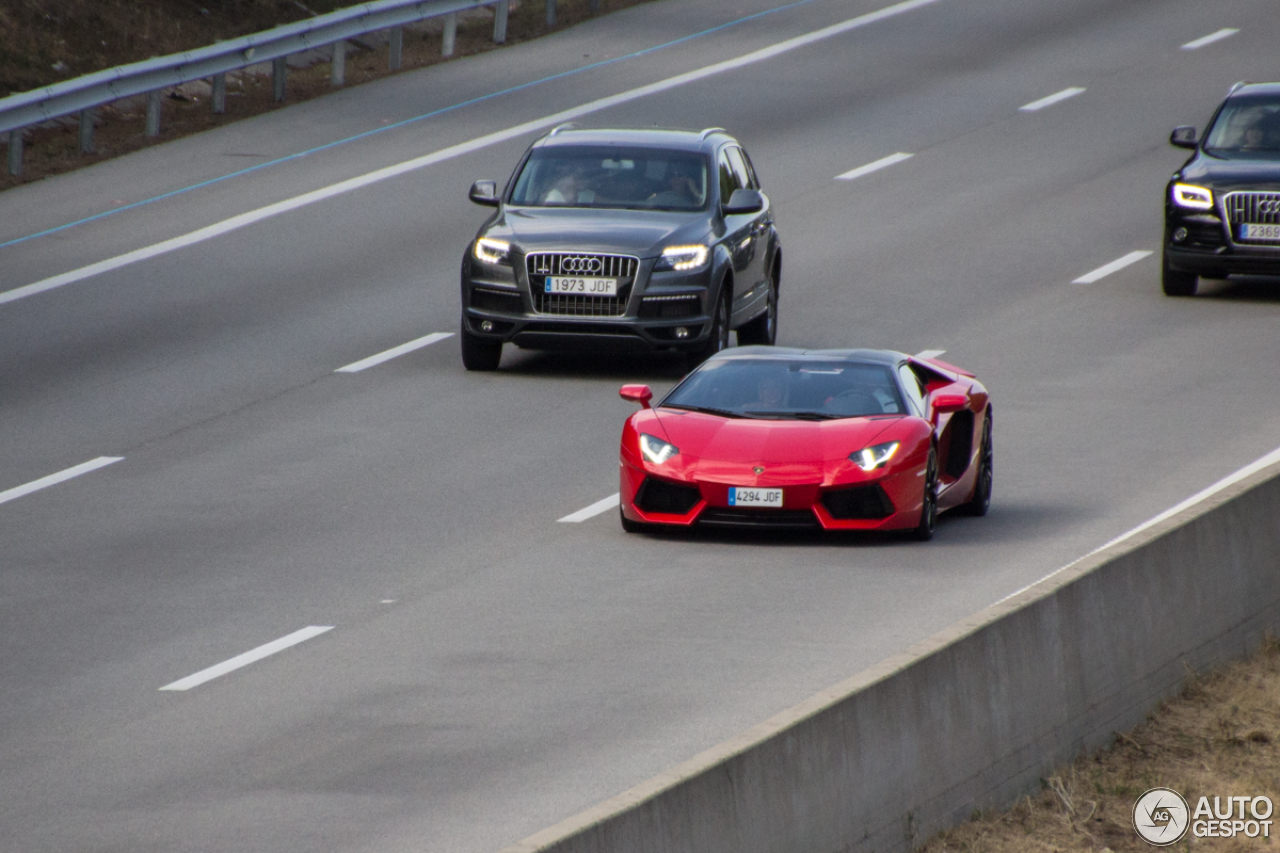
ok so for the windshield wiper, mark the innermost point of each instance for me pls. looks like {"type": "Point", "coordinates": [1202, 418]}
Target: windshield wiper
{"type": "Point", "coordinates": [797, 416]}
{"type": "Point", "coordinates": [707, 410]}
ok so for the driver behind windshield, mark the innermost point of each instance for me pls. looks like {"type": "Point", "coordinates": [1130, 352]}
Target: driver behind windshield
{"type": "Point", "coordinates": [593, 176]}
{"type": "Point", "coordinates": [812, 391]}
{"type": "Point", "coordinates": [1246, 127]}
{"type": "Point", "coordinates": [680, 190]}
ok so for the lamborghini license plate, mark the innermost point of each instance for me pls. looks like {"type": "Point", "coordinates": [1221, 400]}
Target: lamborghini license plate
{"type": "Point", "coordinates": [745, 497]}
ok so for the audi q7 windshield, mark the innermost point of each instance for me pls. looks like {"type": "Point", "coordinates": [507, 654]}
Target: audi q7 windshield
{"type": "Point", "coordinates": [612, 176]}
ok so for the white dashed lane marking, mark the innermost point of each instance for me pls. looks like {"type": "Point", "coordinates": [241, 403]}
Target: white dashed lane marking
{"type": "Point", "coordinates": [593, 510]}
{"type": "Point", "coordinates": [882, 163]}
{"type": "Point", "coordinates": [251, 656]}
{"type": "Point", "coordinates": [251, 217]}
{"type": "Point", "coordinates": [366, 363]}
{"type": "Point", "coordinates": [1221, 34]}
{"type": "Point", "coordinates": [60, 477]}
{"type": "Point", "coordinates": [1114, 266]}
{"type": "Point", "coordinates": [1056, 97]}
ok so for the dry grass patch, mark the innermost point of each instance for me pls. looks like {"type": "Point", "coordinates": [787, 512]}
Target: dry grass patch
{"type": "Point", "coordinates": [1221, 737]}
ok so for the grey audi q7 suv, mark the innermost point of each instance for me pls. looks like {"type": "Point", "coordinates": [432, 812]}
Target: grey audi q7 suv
{"type": "Point", "coordinates": [622, 240]}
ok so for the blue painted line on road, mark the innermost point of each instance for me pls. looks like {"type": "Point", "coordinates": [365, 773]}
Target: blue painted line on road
{"type": "Point", "coordinates": [400, 124]}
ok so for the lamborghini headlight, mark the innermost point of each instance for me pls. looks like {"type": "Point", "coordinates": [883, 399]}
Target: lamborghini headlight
{"type": "Point", "coordinates": [492, 251]}
{"type": "Point", "coordinates": [655, 449]}
{"type": "Point", "coordinates": [1189, 195]}
{"type": "Point", "coordinates": [871, 458]}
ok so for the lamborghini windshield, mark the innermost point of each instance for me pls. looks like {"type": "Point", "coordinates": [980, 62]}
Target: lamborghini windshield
{"type": "Point", "coordinates": [612, 176]}
{"type": "Point", "coordinates": [789, 389]}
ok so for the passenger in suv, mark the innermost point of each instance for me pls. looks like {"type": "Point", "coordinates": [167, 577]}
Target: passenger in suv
{"type": "Point", "coordinates": [1222, 208]}
{"type": "Point", "coordinates": [623, 240]}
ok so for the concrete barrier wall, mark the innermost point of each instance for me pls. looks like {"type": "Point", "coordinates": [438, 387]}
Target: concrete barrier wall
{"type": "Point", "coordinates": [976, 715]}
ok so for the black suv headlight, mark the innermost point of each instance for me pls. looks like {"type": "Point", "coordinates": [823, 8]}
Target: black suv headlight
{"type": "Point", "coordinates": [1192, 196]}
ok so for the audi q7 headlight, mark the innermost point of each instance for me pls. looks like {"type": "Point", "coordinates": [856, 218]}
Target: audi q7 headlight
{"type": "Point", "coordinates": [655, 449]}
{"type": "Point", "coordinates": [492, 251]}
{"type": "Point", "coordinates": [1189, 195]}
{"type": "Point", "coordinates": [871, 458]}
{"type": "Point", "coordinates": [682, 258]}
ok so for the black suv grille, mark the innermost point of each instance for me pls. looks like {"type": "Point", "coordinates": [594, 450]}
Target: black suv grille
{"type": "Point", "coordinates": [1254, 208]}
{"type": "Point", "coordinates": [661, 496]}
{"type": "Point", "coordinates": [495, 300]}
{"type": "Point", "coordinates": [542, 264]}
{"type": "Point", "coordinates": [859, 502]}
{"type": "Point", "coordinates": [683, 305]}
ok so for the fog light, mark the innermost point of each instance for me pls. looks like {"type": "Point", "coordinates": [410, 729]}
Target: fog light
{"type": "Point", "coordinates": [681, 333]}
{"type": "Point", "coordinates": [1179, 235]}
{"type": "Point", "coordinates": [486, 325]}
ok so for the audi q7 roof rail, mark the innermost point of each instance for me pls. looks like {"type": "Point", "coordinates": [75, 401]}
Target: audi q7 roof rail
{"type": "Point", "coordinates": [711, 130]}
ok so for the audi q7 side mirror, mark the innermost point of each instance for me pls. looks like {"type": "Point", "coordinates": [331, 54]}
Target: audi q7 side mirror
{"type": "Point", "coordinates": [1184, 137]}
{"type": "Point", "coordinates": [744, 201]}
{"type": "Point", "coordinates": [484, 192]}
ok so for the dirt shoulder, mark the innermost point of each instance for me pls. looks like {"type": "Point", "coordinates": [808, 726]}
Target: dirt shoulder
{"type": "Point", "coordinates": [1220, 738]}
{"type": "Point", "coordinates": [48, 41]}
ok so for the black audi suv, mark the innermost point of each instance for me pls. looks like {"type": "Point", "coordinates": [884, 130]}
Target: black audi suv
{"type": "Point", "coordinates": [1222, 208]}
{"type": "Point", "coordinates": [622, 240]}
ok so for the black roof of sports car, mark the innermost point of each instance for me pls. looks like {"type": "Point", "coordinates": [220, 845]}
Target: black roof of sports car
{"type": "Point", "coordinates": [877, 356]}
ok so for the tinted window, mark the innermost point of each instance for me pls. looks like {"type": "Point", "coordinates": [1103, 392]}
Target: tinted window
{"type": "Point", "coordinates": [741, 173]}
{"type": "Point", "coordinates": [751, 169]}
{"type": "Point", "coordinates": [911, 384]}
{"type": "Point", "coordinates": [728, 180]}
{"type": "Point", "coordinates": [613, 176]}
{"type": "Point", "coordinates": [1247, 125]}
{"type": "Point", "coordinates": [785, 389]}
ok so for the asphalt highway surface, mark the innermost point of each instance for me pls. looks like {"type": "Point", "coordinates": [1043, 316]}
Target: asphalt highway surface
{"type": "Point", "coordinates": [489, 670]}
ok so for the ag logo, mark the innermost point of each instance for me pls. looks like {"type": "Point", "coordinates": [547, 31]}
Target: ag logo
{"type": "Point", "coordinates": [1161, 817]}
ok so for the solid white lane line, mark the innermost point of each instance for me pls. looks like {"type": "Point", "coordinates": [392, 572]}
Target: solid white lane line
{"type": "Point", "coordinates": [61, 476]}
{"type": "Point", "coordinates": [1199, 497]}
{"type": "Point", "coordinates": [593, 510]}
{"type": "Point", "coordinates": [248, 657]}
{"type": "Point", "coordinates": [1104, 271]}
{"type": "Point", "coordinates": [245, 219]}
{"type": "Point", "coordinates": [1221, 34]}
{"type": "Point", "coordinates": [930, 353]}
{"type": "Point", "coordinates": [874, 167]}
{"type": "Point", "coordinates": [366, 363]}
{"type": "Point", "coordinates": [1051, 100]}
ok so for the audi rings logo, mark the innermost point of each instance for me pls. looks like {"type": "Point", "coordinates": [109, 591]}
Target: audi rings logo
{"type": "Point", "coordinates": [1161, 817]}
{"type": "Point", "coordinates": [581, 265]}
{"type": "Point", "coordinates": [1269, 206]}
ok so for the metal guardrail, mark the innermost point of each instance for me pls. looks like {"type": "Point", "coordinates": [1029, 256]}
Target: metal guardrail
{"type": "Point", "coordinates": [150, 77]}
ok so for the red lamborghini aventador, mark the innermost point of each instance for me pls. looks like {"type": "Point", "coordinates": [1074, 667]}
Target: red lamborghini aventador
{"type": "Point", "coordinates": [830, 439]}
